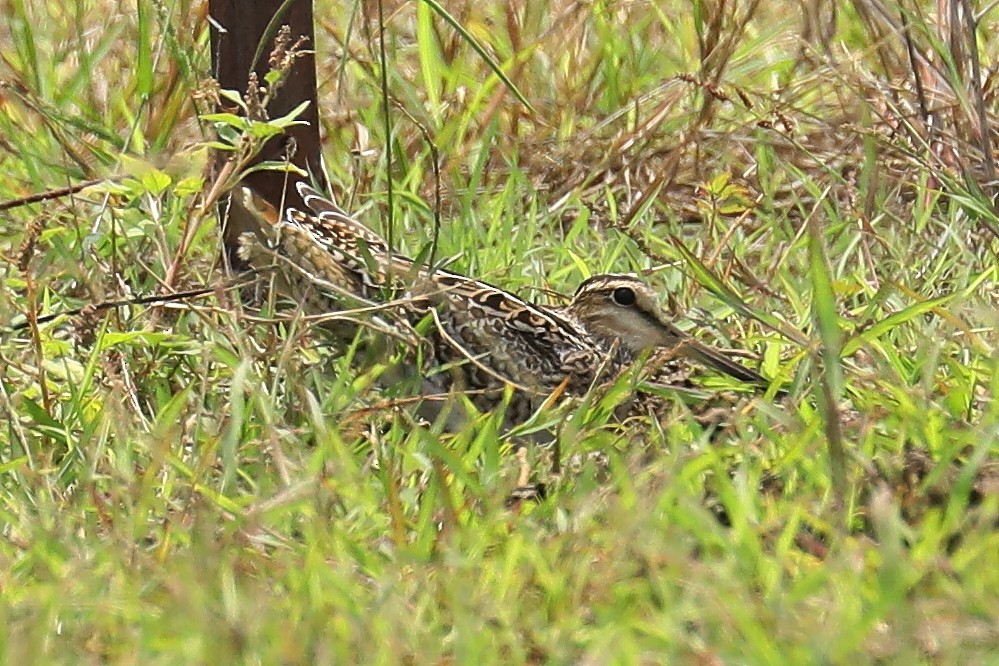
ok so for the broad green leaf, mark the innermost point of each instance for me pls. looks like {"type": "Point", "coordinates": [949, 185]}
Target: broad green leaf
{"type": "Point", "coordinates": [155, 182]}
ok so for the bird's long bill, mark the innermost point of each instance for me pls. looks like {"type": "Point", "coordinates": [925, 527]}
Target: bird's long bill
{"type": "Point", "coordinates": [722, 363]}
{"type": "Point", "coordinates": [671, 336]}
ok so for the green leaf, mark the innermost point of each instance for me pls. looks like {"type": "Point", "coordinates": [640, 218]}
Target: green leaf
{"type": "Point", "coordinates": [263, 130]}
{"type": "Point", "coordinates": [273, 165]}
{"type": "Point", "coordinates": [231, 119]}
{"type": "Point", "coordinates": [44, 422]}
{"type": "Point", "coordinates": [144, 51]}
{"type": "Point", "coordinates": [824, 300]}
{"type": "Point", "coordinates": [824, 312]}
{"type": "Point", "coordinates": [218, 145]}
{"type": "Point", "coordinates": [291, 118]}
{"type": "Point", "coordinates": [133, 338]}
{"type": "Point", "coordinates": [891, 322]}
{"type": "Point", "coordinates": [272, 77]}
{"type": "Point", "coordinates": [230, 134]}
{"type": "Point", "coordinates": [233, 96]}
{"type": "Point", "coordinates": [717, 185]}
{"type": "Point", "coordinates": [467, 36]}
{"type": "Point", "coordinates": [705, 277]}
{"type": "Point", "coordinates": [155, 182]}
{"type": "Point", "coordinates": [581, 266]}
{"type": "Point", "coordinates": [431, 65]}
{"type": "Point", "coordinates": [189, 186]}
{"type": "Point", "coordinates": [12, 465]}
{"type": "Point", "coordinates": [171, 413]}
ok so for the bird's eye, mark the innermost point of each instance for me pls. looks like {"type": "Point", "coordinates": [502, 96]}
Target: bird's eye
{"type": "Point", "coordinates": [623, 296]}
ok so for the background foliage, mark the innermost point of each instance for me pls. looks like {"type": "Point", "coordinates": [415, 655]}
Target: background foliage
{"type": "Point", "coordinates": [190, 484]}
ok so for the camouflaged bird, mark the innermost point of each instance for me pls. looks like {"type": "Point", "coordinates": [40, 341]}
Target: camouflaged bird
{"type": "Point", "coordinates": [325, 261]}
{"type": "Point", "coordinates": [325, 252]}
{"type": "Point", "coordinates": [623, 309]}
{"type": "Point", "coordinates": [482, 338]}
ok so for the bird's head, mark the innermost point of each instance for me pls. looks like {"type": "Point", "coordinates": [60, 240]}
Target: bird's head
{"type": "Point", "coordinates": [624, 308]}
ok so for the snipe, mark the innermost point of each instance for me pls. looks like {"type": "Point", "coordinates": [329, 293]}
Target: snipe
{"type": "Point", "coordinates": [482, 338]}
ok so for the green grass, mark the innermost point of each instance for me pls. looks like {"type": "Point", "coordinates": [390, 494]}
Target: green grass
{"type": "Point", "coordinates": [184, 484]}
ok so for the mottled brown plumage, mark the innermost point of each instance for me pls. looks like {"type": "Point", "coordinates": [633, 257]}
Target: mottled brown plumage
{"type": "Point", "coordinates": [482, 338]}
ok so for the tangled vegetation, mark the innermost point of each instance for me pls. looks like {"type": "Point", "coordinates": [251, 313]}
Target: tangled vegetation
{"type": "Point", "coordinates": [191, 480]}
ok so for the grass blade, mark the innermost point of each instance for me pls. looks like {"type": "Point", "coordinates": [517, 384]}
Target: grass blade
{"type": "Point", "coordinates": [830, 338]}
{"type": "Point", "coordinates": [492, 64]}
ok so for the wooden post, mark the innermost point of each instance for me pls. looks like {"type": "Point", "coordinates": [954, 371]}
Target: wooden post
{"type": "Point", "coordinates": [237, 29]}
